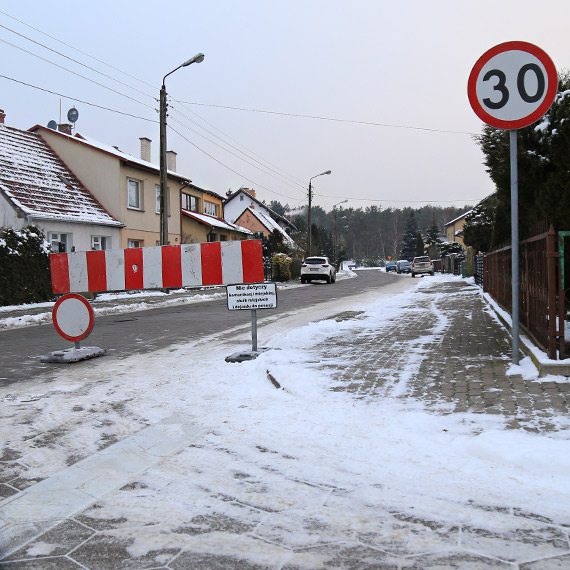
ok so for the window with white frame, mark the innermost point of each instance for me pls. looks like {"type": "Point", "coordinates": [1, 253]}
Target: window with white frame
{"type": "Point", "coordinates": [134, 194]}
{"type": "Point", "coordinates": [134, 243]}
{"type": "Point", "coordinates": [210, 208]}
{"type": "Point", "coordinates": [59, 242]}
{"type": "Point", "coordinates": [99, 243]}
{"type": "Point", "coordinates": [190, 203]}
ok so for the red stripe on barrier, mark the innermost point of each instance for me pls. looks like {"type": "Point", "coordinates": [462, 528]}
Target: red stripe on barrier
{"type": "Point", "coordinates": [134, 269]}
{"type": "Point", "coordinates": [252, 260]}
{"type": "Point", "coordinates": [171, 266]}
{"type": "Point", "coordinates": [59, 272]}
{"type": "Point", "coordinates": [96, 271]}
{"type": "Point", "coordinates": [211, 263]}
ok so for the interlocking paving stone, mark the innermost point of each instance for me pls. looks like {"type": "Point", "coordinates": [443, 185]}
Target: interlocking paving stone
{"type": "Point", "coordinates": [445, 350]}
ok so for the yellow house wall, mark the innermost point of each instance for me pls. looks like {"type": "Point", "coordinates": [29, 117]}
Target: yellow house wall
{"type": "Point", "coordinates": [455, 227]}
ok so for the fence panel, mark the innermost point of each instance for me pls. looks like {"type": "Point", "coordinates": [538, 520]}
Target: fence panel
{"type": "Point", "coordinates": [539, 289]}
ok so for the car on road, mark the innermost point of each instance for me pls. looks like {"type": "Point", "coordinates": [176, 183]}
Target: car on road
{"type": "Point", "coordinates": [317, 268]}
{"type": "Point", "coordinates": [403, 266]}
{"type": "Point", "coordinates": [422, 265]}
{"type": "Point", "coordinates": [390, 266]}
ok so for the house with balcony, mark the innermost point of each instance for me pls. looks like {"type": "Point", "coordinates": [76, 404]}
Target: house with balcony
{"type": "Point", "coordinates": [201, 217]}
{"type": "Point", "coordinates": [37, 188]}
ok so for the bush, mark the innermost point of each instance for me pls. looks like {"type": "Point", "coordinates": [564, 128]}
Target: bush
{"type": "Point", "coordinates": [281, 267]}
{"type": "Point", "coordinates": [295, 268]}
{"type": "Point", "coordinates": [25, 275]}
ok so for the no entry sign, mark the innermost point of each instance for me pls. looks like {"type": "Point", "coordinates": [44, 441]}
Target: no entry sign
{"type": "Point", "coordinates": [512, 85]}
{"type": "Point", "coordinates": [73, 317]}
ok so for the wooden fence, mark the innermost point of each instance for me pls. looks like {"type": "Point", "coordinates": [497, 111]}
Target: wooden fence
{"type": "Point", "coordinates": [541, 296]}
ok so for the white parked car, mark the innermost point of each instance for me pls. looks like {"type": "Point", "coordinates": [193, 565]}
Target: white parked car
{"type": "Point", "coordinates": [422, 265]}
{"type": "Point", "coordinates": [317, 268]}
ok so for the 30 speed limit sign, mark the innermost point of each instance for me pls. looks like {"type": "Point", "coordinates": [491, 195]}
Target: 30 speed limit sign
{"type": "Point", "coordinates": [512, 85]}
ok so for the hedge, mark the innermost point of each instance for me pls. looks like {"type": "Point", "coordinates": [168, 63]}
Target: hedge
{"type": "Point", "coordinates": [25, 275]}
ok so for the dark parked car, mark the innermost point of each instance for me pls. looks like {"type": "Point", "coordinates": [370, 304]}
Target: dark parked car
{"type": "Point", "coordinates": [390, 266]}
{"type": "Point", "coordinates": [403, 266]}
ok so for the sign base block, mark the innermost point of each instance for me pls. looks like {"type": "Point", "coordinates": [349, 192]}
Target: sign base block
{"type": "Point", "coordinates": [70, 355]}
{"type": "Point", "coordinates": [244, 355]}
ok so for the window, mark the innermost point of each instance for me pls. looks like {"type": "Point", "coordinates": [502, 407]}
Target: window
{"type": "Point", "coordinates": [100, 242]}
{"type": "Point", "coordinates": [190, 203]}
{"type": "Point", "coordinates": [210, 208]}
{"type": "Point", "coordinates": [134, 198]}
{"type": "Point", "coordinates": [223, 237]}
{"type": "Point", "coordinates": [157, 189]}
{"type": "Point", "coordinates": [211, 237]}
{"type": "Point", "coordinates": [60, 243]}
{"type": "Point", "coordinates": [135, 243]}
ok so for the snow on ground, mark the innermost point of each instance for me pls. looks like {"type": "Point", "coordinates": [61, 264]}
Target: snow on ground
{"type": "Point", "coordinates": [390, 448]}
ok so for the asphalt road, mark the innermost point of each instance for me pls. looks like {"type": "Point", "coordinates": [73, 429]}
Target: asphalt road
{"type": "Point", "coordinates": [144, 331]}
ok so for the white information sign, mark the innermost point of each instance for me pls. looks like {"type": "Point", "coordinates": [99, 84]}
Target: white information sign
{"type": "Point", "coordinates": [252, 296]}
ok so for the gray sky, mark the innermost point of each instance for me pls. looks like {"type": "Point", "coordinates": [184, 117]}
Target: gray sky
{"type": "Point", "coordinates": [401, 65]}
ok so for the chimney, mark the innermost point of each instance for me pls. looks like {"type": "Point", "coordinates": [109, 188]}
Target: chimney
{"type": "Point", "coordinates": [2, 116]}
{"type": "Point", "coordinates": [250, 191]}
{"type": "Point", "coordinates": [171, 160]}
{"type": "Point", "coordinates": [145, 148]}
{"type": "Point", "coordinates": [64, 128]}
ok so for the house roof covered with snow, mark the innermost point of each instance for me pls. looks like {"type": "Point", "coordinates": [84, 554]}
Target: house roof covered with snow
{"type": "Point", "coordinates": [123, 156]}
{"type": "Point", "coordinates": [272, 225]}
{"type": "Point", "coordinates": [458, 218]}
{"type": "Point", "coordinates": [39, 185]}
{"type": "Point", "coordinates": [215, 222]}
{"type": "Point", "coordinates": [253, 198]}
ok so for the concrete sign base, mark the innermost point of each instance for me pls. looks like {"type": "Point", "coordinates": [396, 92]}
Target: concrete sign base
{"type": "Point", "coordinates": [244, 355]}
{"type": "Point", "coordinates": [70, 355]}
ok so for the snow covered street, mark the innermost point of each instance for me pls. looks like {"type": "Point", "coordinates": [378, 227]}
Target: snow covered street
{"type": "Point", "coordinates": [399, 436]}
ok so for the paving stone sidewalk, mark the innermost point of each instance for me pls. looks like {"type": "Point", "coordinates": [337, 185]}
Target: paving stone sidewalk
{"type": "Point", "coordinates": [291, 528]}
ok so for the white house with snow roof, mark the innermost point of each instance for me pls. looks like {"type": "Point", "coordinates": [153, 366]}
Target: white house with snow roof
{"type": "Point", "coordinates": [244, 209]}
{"type": "Point", "coordinates": [37, 188]}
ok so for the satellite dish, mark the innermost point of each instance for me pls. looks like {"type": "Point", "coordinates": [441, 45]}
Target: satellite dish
{"type": "Point", "coordinates": [52, 125]}
{"type": "Point", "coordinates": [72, 115]}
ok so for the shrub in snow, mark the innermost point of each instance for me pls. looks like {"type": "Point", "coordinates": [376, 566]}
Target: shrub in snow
{"type": "Point", "coordinates": [24, 266]}
{"type": "Point", "coordinates": [281, 267]}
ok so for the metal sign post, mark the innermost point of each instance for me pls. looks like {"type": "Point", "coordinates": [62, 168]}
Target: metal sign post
{"type": "Point", "coordinates": [251, 297]}
{"type": "Point", "coordinates": [510, 87]}
{"type": "Point", "coordinates": [515, 244]}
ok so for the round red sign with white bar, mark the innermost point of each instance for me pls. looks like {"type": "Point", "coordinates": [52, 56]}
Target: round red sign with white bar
{"type": "Point", "coordinates": [512, 85]}
{"type": "Point", "coordinates": [73, 317]}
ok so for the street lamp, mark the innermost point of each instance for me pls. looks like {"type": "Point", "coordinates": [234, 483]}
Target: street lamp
{"type": "Point", "coordinates": [335, 238]}
{"type": "Point", "coordinates": [198, 58]}
{"type": "Point", "coordinates": [309, 212]}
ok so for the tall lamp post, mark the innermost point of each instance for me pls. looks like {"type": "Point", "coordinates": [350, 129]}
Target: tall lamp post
{"type": "Point", "coordinates": [198, 58]}
{"type": "Point", "coordinates": [309, 211]}
{"type": "Point", "coordinates": [335, 240]}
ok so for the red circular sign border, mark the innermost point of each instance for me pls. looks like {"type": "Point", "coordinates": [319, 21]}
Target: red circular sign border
{"type": "Point", "coordinates": [89, 309]}
{"type": "Point", "coordinates": [534, 116]}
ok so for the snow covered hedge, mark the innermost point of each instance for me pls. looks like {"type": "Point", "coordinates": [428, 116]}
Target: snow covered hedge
{"type": "Point", "coordinates": [24, 266]}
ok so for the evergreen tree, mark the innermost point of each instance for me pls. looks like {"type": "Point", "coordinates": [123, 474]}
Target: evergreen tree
{"type": "Point", "coordinates": [543, 165]}
{"type": "Point", "coordinates": [420, 246]}
{"type": "Point", "coordinates": [479, 223]}
{"type": "Point", "coordinates": [409, 239]}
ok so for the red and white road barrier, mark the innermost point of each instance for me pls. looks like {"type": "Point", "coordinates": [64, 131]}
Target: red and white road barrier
{"type": "Point", "coordinates": [216, 263]}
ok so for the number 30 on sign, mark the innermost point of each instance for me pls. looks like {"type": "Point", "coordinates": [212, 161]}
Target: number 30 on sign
{"type": "Point", "coordinates": [512, 85]}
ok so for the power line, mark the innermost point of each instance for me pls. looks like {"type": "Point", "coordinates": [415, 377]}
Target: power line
{"type": "Point", "coordinates": [74, 61]}
{"type": "Point", "coordinates": [77, 100]}
{"type": "Point", "coordinates": [334, 119]}
{"type": "Point", "coordinates": [229, 168]}
{"type": "Point", "coordinates": [74, 73]}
